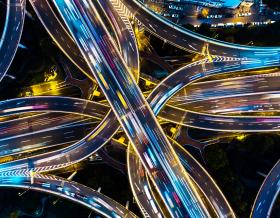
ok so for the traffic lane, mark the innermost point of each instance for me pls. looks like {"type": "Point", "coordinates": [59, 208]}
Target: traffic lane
{"type": "Point", "coordinates": [125, 36]}
{"type": "Point", "coordinates": [253, 102]}
{"type": "Point", "coordinates": [227, 87]}
{"type": "Point", "coordinates": [204, 181]}
{"type": "Point", "coordinates": [128, 88]}
{"type": "Point", "coordinates": [192, 41]}
{"type": "Point", "coordinates": [221, 122]}
{"type": "Point", "coordinates": [45, 138]}
{"type": "Point", "coordinates": [267, 194]}
{"type": "Point", "coordinates": [12, 33]}
{"type": "Point", "coordinates": [52, 103]}
{"type": "Point", "coordinates": [59, 34]}
{"type": "Point", "coordinates": [67, 156]}
{"type": "Point", "coordinates": [36, 123]}
{"type": "Point", "coordinates": [70, 190]}
{"type": "Point", "coordinates": [140, 186]}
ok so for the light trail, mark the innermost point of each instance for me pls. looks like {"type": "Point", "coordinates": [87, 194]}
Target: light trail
{"type": "Point", "coordinates": [11, 35]}
{"type": "Point", "coordinates": [263, 57]}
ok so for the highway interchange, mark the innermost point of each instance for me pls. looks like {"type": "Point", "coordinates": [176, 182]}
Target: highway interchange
{"type": "Point", "coordinates": [174, 172]}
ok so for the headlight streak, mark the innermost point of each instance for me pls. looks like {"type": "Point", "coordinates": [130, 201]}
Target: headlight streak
{"type": "Point", "coordinates": [125, 104]}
